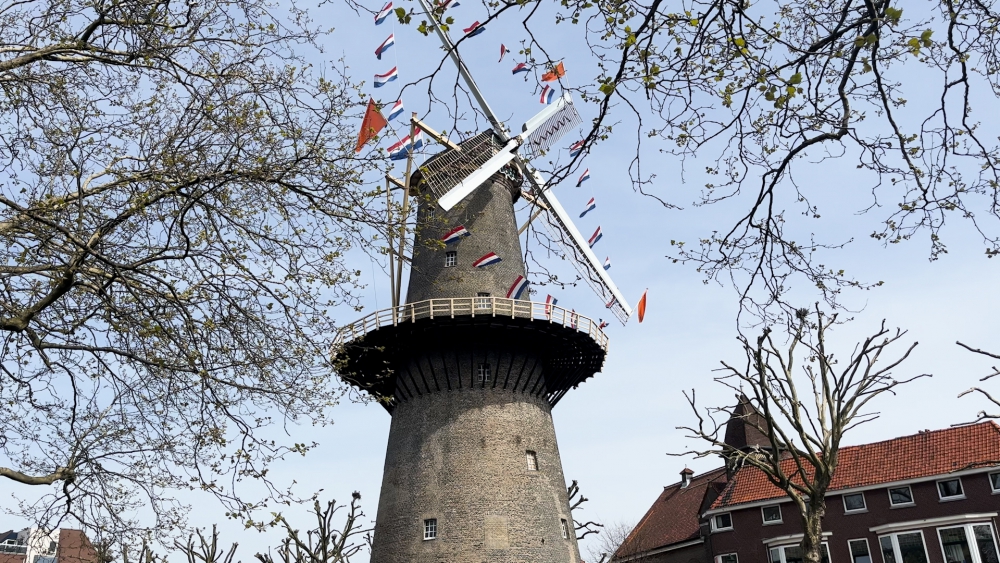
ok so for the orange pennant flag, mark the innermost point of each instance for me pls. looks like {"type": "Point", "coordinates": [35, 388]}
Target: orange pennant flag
{"type": "Point", "coordinates": [371, 125]}
{"type": "Point", "coordinates": [642, 305]}
{"type": "Point", "coordinates": [558, 72]}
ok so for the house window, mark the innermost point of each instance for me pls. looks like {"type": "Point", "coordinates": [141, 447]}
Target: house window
{"type": "Point", "coordinates": [482, 300]}
{"type": "Point", "coordinates": [484, 373]}
{"type": "Point", "coordinates": [450, 258]}
{"type": "Point", "coordinates": [722, 522]}
{"type": "Point", "coordinates": [854, 502]}
{"type": "Point", "coordinates": [430, 528]}
{"type": "Point", "coordinates": [771, 514]}
{"type": "Point", "coordinates": [950, 489]}
{"type": "Point", "coordinates": [727, 558]}
{"type": "Point", "coordinates": [859, 551]}
{"type": "Point", "coordinates": [900, 496]}
{"type": "Point", "coordinates": [565, 528]}
{"type": "Point", "coordinates": [793, 554]}
{"type": "Point", "coordinates": [905, 547]}
{"type": "Point", "coordinates": [532, 459]}
{"type": "Point", "coordinates": [995, 482]}
{"type": "Point", "coordinates": [972, 543]}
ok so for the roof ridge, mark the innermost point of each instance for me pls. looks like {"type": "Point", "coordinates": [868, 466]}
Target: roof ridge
{"type": "Point", "coordinates": [925, 433]}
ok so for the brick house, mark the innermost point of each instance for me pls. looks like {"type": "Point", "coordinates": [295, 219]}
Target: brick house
{"type": "Point", "coordinates": [33, 545]}
{"type": "Point", "coordinates": [932, 497]}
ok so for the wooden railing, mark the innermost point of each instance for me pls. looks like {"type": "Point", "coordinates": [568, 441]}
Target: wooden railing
{"type": "Point", "coordinates": [472, 307]}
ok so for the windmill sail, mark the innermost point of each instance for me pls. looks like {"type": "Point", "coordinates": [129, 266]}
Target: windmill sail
{"type": "Point", "coordinates": [546, 133]}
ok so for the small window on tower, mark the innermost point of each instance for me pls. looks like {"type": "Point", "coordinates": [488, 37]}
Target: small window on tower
{"type": "Point", "coordinates": [484, 373]}
{"type": "Point", "coordinates": [482, 300]}
{"type": "Point", "coordinates": [532, 459]}
{"type": "Point", "coordinates": [450, 258]}
{"type": "Point", "coordinates": [430, 528]}
{"type": "Point", "coordinates": [565, 528]}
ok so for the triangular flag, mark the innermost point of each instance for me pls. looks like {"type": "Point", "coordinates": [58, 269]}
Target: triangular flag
{"type": "Point", "coordinates": [370, 125]}
{"type": "Point", "coordinates": [556, 73]}
{"type": "Point", "coordinates": [641, 308]}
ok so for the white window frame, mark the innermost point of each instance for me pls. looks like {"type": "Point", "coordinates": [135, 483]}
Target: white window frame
{"type": "Point", "coordinates": [430, 529]}
{"type": "Point", "coordinates": [483, 374]}
{"type": "Point", "coordinates": [565, 528]}
{"type": "Point", "coordinates": [767, 522]}
{"type": "Point", "coordinates": [781, 551]}
{"type": "Point", "coordinates": [895, 543]}
{"type": "Point", "coordinates": [483, 300]}
{"type": "Point", "coordinates": [864, 502]}
{"type": "Point", "coordinates": [960, 496]}
{"type": "Point", "coordinates": [450, 258]}
{"type": "Point", "coordinates": [850, 552]}
{"type": "Point", "coordinates": [970, 537]}
{"type": "Point", "coordinates": [995, 487]}
{"type": "Point", "coordinates": [531, 460]}
{"type": "Point", "coordinates": [736, 558]}
{"type": "Point", "coordinates": [901, 504]}
{"type": "Point", "coordinates": [718, 529]}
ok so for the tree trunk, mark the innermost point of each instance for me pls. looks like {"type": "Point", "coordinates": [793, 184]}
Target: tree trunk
{"type": "Point", "coordinates": [812, 540]}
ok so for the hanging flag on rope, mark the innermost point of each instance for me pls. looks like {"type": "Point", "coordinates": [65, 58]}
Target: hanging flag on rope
{"type": "Point", "coordinates": [446, 4]}
{"type": "Point", "coordinates": [385, 46]}
{"type": "Point", "coordinates": [401, 150]}
{"type": "Point", "coordinates": [595, 237]}
{"type": "Point", "coordinates": [515, 291]}
{"type": "Point", "coordinates": [383, 13]}
{"type": "Point", "coordinates": [612, 303]}
{"type": "Point", "coordinates": [521, 67]}
{"type": "Point", "coordinates": [556, 73]}
{"type": "Point", "coordinates": [603, 325]}
{"type": "Point", "coordinates": [383, 79]}
{"type": "Point", "coordinates": [549, 302]}
{"type": "Point", "coordinates": [583, 177]}
{"type": "Point", "coordinates": [474, 29]}
{"type": "Point", "coordinates": [607, 263]}
{"type": "Point", "coordinates": [576, 149]}
{"type": "Point", "coordinates": [503, 52]}
{"type": "Point", "coordinates": [547, 93]}
{"type": "Point", "coordinates": [591, 205]}
{"type": "Point", "coordinates": [455, 234]}
{"type": "Point", "coordinates": [372, 123]}
{"type": "Point", "coordinates": [641, 308]}
{"type": "Point", "coordinates": [396, 111]}
{"type": "Point", "coordinates": [573, 318]}
{"type": "Point", "coordinates": [486, 260]}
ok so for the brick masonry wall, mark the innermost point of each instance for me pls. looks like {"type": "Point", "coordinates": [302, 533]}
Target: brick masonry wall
{"type": "Point", "coordinates": [459, 456]}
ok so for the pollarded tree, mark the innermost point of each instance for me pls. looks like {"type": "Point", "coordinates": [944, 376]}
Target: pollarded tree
{"type": "Point", "coordinates": [178, 191]}
{"type": "Point", "coordinates": [803, 407]}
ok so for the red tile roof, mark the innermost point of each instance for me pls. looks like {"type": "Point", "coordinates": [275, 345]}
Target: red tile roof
{"type": "Point", "coordinates": [673, 518]}
{"type": "Point", "coordinates": [925, 454]}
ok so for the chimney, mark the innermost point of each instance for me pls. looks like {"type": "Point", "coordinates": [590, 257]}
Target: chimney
{"type": "Point", "coordinates": [686, 477]}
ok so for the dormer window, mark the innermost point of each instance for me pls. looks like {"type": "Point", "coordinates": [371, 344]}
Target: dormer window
{"type": "Point", "coordinates": [722, 522]}
{"type": "Point", "coordinates": [686, 477]}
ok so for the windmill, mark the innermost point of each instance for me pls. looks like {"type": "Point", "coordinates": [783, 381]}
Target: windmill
{"type": "Point", "coordinates": [458, 175]}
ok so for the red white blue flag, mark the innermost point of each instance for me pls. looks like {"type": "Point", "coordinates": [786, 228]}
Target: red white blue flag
{"type": "Point", "coordinates": [549, 302]}
{"type": "Point", "coordinates": [455, 234]}
{"type": "Point", "coordinates": [486, 260]}
{"type": "Point", "coordinates": [521, 67]}
{"type": "Point", "coordinates": [515, 291]}
{"type": "Point", "coordinates": [448, 4]}
{"type": "Point", "coordinates": [591, 205]}
{"type": "Point", "coordinates": [383, 79]}
{"type": "Point", "coordinates": [401, 150]}
{"type": "Point", "coordinates": [576, 149]}
{"type": "Point", "coordinates": [474, 29]}
{"type": "Point", "coordinates": [389, 42]}
{"type": "Point", "coordinates": [503, 52]}
{"type": "Point", "coordinates": [612, 303]}
{"type": "Point", "coordinates": [396, 111]}
{"type": "Point", "coordinates": [547, 93]}
{"type": "Point", "coordinates": [583, 177]}
{"type": "Point", "coordinates": [607, 263]}
{"type": "Point", "coordinates": [603, 325]}
{"type": "Point", "coordinates": [383, 13]}
{"type": "Point", "coordinates": [595, 237]}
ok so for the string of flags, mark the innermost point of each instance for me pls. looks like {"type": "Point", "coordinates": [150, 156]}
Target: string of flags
{"type": "Point", "coordinates": [583, 177]}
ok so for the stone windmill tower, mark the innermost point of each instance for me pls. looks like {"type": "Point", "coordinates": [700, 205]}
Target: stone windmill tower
{"type": "Point", "coordinates": [470, 368]}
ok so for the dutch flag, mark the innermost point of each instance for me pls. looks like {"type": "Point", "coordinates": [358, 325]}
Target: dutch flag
{"type": "Point", "coordinates": [383, 79]}
{"type": "Point", "coordinates": [455, 234]}
{"type": "Point", "coordinates": [385, 46]}
{"type": "Point", "coordinates": [474, 29]}
{"type": "Point", "coordinates": [515, 291]}
{"type": "Point", "coordinates": [595, 237]}
{"type": "Point", "coordinates": [583, 177]}
{"type": "Point", "coordinates": [612, 303]}
{"type": "Point", "coordinates": [607, 263]}
{"type": "Point", "coordinates": [486, 260]}
{"type": "Point", "coordinates": [546, 97]}
{"type": "Point", "coordinates": [396, 111]}
{"type": "Point", "coordinates": [521, 67]}
{"type": "Point", "coordinates": [549, 302]}
{"type": "Point", "coordinates": [401, 150]}
{"type": "Point", "coordinates": [576, 149]}
{"type": "Point", "coordinates": [591, 205]}
{"type": "Point", "coordinates": [448, 4]}
{"type": "Point", "coordinates": [383, 13]}
{"type": "Point", "coordinates": [603, 325]}
{"type": "Point", "coordinates": [503, 52]}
